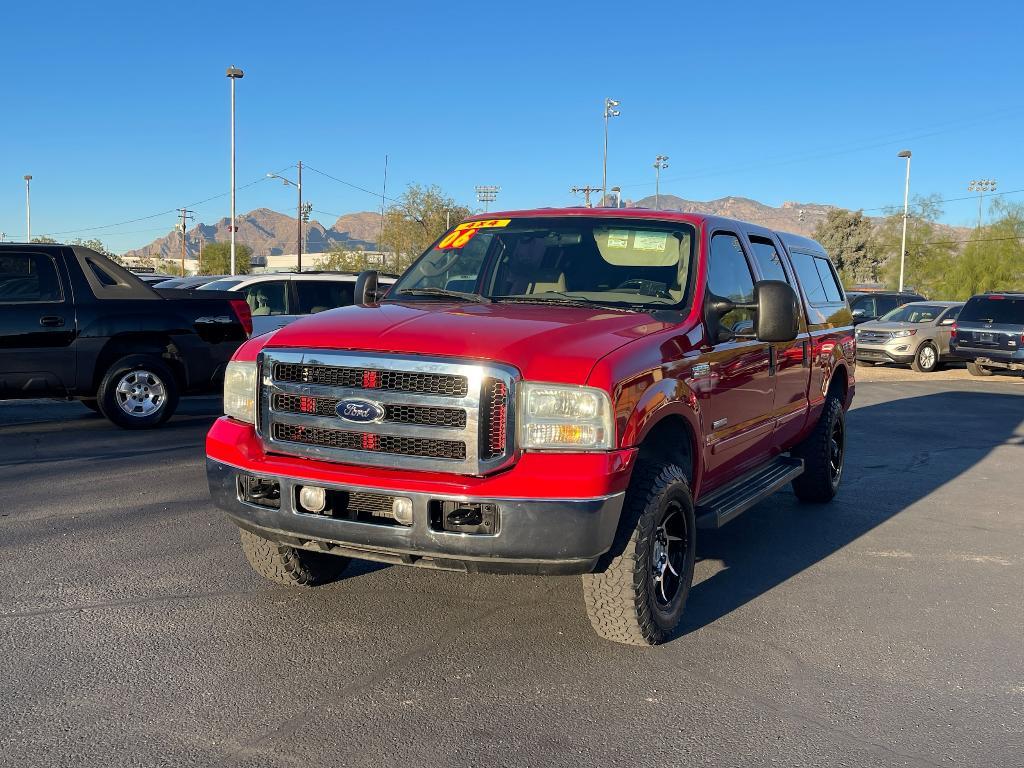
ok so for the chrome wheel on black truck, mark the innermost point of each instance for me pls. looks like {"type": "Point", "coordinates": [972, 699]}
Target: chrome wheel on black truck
{"type": "Point", "coordinates": [138, 392]}
{"type": "Point", "coordinates": [638, 594]}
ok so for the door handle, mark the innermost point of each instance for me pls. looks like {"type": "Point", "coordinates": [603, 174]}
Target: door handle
{"type": "Point", "coordinates": [51, 321]}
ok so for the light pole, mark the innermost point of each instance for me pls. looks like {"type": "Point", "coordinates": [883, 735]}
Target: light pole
{"type": "Point", "coordinates": [660, 163]}
{"type": "Point", "coordinates": [609, 112]}
{"type": "Point", "coordinates": [617, 191]}
{"type": "Point", "coordinates": [301, 212]}
{"type": "Point", "coordinates": [906, 202]}
{"type": "Point", "coordinates": [233, 74]}
{"type": "Point", "coordinates": [28, 208]}
{"type": "Point", "coordinates": [487, 194]}
{"type": "Point", "coordinates": [981, 186]}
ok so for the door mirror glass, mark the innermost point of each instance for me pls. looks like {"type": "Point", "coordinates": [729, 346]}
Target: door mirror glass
{"type": "Point", "coordinates": [859, 313]}
{"type": "Point", "coordinates": [778, 311]}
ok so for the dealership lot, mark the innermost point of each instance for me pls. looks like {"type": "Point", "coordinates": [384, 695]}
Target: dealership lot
{"type": "Point", "coordinates": [884, 629]}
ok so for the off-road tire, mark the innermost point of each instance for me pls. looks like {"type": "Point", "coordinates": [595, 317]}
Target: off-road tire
{"type": "Point", "coordinates": [978, 370]}
{"type": "Point", "coordinates": [621, 596]}
{"type": "Point", "coordinates": [820, 480]}
{"type": "Point", "coordinates": [106, 394]}
{"type": "Point", "coordinates": [921, 357]}
{"type": "Point", "coordinates": [288, 565]}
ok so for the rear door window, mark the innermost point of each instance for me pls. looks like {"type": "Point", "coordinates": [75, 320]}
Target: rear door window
{"type": "Point", "coordinates": [1002, 310]}
{"type": "Point", "coordinates": [320, 295]}
{"type": "Point", "coordinates": [829, 280]}
{"type": "Point", "coordinates": [810, 279]}
{"type": "Point", "coordinates": [28, 277]}
{"type": "Point", "coordinates": [768, 259]}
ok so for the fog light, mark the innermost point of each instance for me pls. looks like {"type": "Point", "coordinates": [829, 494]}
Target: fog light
{"type": "Point", "coordinates": [401, 508]}
{"type": "Point", "coordinates": [312, 498]}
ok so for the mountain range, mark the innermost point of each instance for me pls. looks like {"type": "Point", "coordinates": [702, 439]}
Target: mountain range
{"type": "Point", "coordinates": [269, 232]}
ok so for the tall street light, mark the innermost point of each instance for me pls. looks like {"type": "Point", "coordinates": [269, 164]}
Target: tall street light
{"type": "Point", "coordinates": [609, 112]}
{"type": "Point", "coordinates": [28, 208]}
{"type": "Point", "coordinates": [300, 212]}
{"type": "Point", "coordinates": [906, 202]}
{"type": "Point", "coordinates": [981, 186]}
{"type": "Point", "coordinates": [660, 163]}
{"type": "Point", "coordinates": [233, 74]}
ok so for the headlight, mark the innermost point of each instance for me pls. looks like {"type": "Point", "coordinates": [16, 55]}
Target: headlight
{"type": "Point", "coordinates": [240, 391]}
{"type": "Point", "coordinates": [565, 417]}
{"type": "Point", "coordinates": [904, 332]}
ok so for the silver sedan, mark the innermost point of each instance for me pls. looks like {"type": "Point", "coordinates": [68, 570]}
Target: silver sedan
{"type": "Point", "coordinates": [916, 334]}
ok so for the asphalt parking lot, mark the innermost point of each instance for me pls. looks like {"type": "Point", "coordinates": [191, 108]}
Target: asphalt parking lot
{"type": "Point", "coordinates": [882, 630]}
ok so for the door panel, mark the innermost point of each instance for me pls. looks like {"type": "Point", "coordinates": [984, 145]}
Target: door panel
{"type": "Point", "coordinates": [37, 326]}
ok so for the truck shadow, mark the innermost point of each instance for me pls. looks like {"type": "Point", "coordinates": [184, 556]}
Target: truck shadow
{"type": "Point", "coordinates": [898, 454]}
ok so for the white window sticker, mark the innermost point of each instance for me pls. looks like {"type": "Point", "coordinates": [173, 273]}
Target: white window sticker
{"type": "Point", "coordinates": [650, 241]}
{"type": "Point", "coordinates": [618, 238]}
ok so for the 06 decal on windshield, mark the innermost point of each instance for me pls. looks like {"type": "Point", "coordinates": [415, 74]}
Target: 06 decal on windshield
{"type": "Point", "coordinates": [464, 232]}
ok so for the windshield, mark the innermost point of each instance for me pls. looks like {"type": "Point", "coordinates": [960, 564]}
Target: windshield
{"type": "Point", "coordinates": [600, 261]}
{"type": "Point", "coordinates": [1005, 310]}
{"type": "Point", "coordinates": [221, 285]}
{"type": "Point", "coordinates": [913, 313]}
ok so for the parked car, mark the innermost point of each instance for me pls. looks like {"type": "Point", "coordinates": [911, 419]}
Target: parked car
{"type": "Point", "coordinates": [193, 281]}
{"type": "Point", "coordinates": [871, 305]}
{"type": "Point", "coordinates": [916, 334]}
{"type": "Point", "coordinates": [152, 279]}
{"type": "Point", "coordinates": [603, 383]}
{"type": "Point", "coordinates": [278, 298]}
{"type": "Point", "coordinates": [73, 324]}
{"type": "Point", "coordinates": [989, 333]}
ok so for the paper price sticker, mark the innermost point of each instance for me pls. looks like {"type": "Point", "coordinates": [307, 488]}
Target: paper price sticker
{"type": "Point", "coordinates": [465, 231]}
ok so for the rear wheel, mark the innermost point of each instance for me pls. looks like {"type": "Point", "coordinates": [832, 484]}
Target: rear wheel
{"type": "Point", "coordinates": [288, 565]}
{"type": "Point", "coordinates": [824, 453]}
{"type": "Point", "coordinates": [138, 392]}
{"type": "Point", "coordinates": [927, 358]}
{"type": "Point", "coordinates": [638, 596]}
{"type": "Point", "coordinates": [978, 370]}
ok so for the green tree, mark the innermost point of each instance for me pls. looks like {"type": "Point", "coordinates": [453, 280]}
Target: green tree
{"type": "Point", "coordinates": [217, 259]}
{"type": "Point", "coordinates": [846, 235]}
{"type": "Point", "coordinates": [419, 218]}
{"type": "Point", "coordinates": [993, 259]}
{"type": "Point", "coordinates": [341, 259]}
{"type": "Point", "coordinates": [930, 250]}
{"type": "Point", "coordinates": [43, 239]}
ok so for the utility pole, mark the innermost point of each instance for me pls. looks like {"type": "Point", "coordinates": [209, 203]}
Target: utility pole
{"type": "Point", "coordinates": [186, 214]}
{"type": "Point", "coordinates": [981, 186]}
{"type": "Point", "coordinates": [383, 195]}
{"type": "Point", "coordinates": [609, 111]}
{"type": "Point", "coordinates": [233, 74]}
{"type": "Point", "coordinates": [28, 208]}
{"type": "Point", "coordinates": [660, 163]}
{"type": "Point", "coordinates": [487, 194]}
{"type": "Point", "coordinates": [906, 201]}
{"type": "Point", "coordinates": [586, 192]}
{"type": "Point", "coordinates": [299, 186]}
{"type": "Point", "coordinates": [200, 267]}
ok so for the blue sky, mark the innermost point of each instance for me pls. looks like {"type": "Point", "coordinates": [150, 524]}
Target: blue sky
{"type": "Point", "coordinates": [120, 111]}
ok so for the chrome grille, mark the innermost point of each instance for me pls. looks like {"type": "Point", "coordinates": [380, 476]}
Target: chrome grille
{"type": "Point", "coordinates": [434, 414]}
{"type": "Point", "coordinates": [873, 337]}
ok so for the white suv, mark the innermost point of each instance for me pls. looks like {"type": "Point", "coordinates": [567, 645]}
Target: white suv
{"type": "Point", "coordinates": [278, 298]}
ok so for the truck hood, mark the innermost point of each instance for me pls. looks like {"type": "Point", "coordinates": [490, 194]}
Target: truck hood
{"type": "Point", "coordinates": [546, 343]}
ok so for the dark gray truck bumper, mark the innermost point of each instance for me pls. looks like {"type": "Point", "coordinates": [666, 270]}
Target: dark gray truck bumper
{"type": "Point", "coordinates": [540, 536]}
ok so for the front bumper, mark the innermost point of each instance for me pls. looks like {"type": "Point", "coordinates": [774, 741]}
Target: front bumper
{"type": "Point", "coordinates": [867, 354]}
{"type": "Point", "coordinates": [552, 536]}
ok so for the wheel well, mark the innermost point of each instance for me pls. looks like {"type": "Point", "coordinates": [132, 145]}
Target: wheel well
{"type": "Point", "coordinates": [120, 346]}
{"type": "Point", "coordinates": [671, 439]}
{"type": "Point", "coordinates": [839, 385]}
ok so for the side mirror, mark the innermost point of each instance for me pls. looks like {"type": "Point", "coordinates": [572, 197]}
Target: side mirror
{"type": "Point", "coordinates": [948, 321]}
{"type": "Point", "coordinates": [366, 288]}
{"type": "Point", "coordinates": [858, 312]}
{"type": "Point", "coordinates": [778, 311]}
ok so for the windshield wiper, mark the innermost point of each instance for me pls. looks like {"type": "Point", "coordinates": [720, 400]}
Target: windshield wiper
{"type": "Point", "coordinates": [444, 293]}
{"type": "Point", "coordinates": [565, 300]}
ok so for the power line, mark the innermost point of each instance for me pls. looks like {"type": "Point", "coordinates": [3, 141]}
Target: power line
{"type": "Point", "coordinates": [354, 186]}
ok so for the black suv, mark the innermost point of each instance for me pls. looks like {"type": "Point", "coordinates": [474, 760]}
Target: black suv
{"type": "Point", "coordinates": [989, 333]}
{"type": "Point", "coordinates": [871, 305]}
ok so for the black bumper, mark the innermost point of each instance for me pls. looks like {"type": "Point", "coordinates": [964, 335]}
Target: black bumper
{"type": "Point", "coordinates": [542, 536]}
{"type": "Point", "coordinates": [875, 355]}
{"type": "Point", "coordinates": [990, 358]}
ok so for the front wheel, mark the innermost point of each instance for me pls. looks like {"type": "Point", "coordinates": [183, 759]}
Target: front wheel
{"type": "Point", "coordinates": [638, 596]}
{"type": "Point", "coordinates": [978, 370]}
{"type": "Point", "coordinates": [288, 565]}
{"type": "Point", "coordinates": [927, 358]}
{"type": "Point", "coordinates": [824, 453]}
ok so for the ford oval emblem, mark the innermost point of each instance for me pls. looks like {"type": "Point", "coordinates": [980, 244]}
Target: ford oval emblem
{"type": "Point", "coordinates": [360, 411]}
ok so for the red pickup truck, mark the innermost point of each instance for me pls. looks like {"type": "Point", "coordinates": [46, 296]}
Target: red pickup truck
{"type": "Point", "coordinates": [548, 391]}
